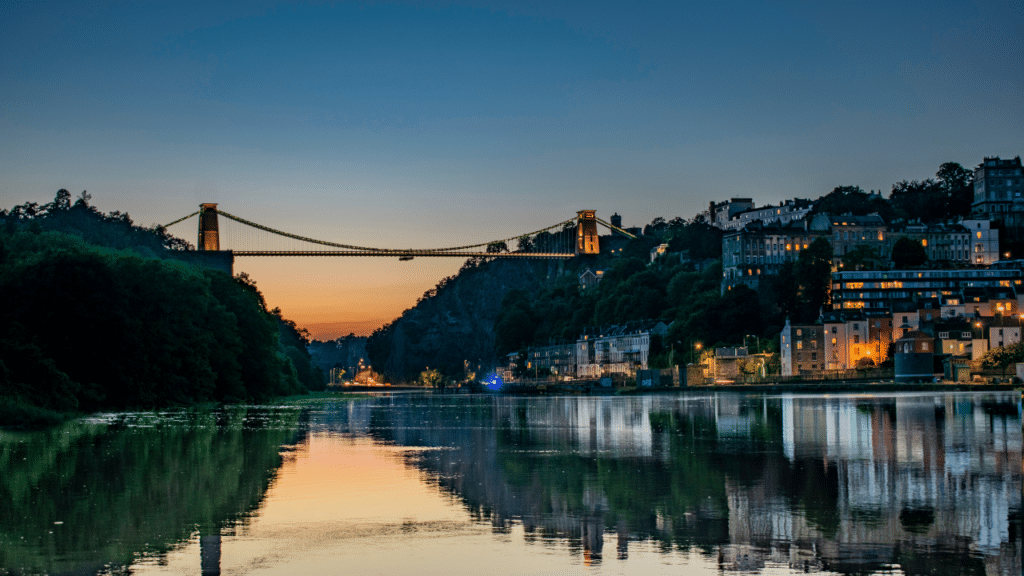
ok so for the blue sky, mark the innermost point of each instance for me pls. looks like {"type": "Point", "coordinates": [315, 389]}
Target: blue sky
{"type": "Point", "coordinates": [427, 123]}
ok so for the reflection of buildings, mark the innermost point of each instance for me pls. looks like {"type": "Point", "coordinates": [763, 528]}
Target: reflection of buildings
{"type": "Point", "coordinates": [845, 483]}
{"type": "Point", "coordinates": [911, 470]}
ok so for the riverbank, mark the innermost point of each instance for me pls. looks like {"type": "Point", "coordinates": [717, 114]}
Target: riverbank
{"type": "Point", "coordinates": [831, 387]}
{"type": "Point", "coordinates": [821, 387]}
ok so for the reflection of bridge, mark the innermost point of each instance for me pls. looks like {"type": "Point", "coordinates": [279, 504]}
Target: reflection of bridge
{"type": "Point", "coordinates": [578, 235]}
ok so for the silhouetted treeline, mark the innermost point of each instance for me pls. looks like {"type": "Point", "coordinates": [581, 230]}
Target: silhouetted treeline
{"type": "Point", "coordinates": [94, 319]}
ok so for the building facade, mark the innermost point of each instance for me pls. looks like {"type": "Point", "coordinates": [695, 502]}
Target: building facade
{"type": "Point", "coordinates": [801, 348]}
{"type": "Point", "coordinates": [878, 290]}
{"type": "Point", "coordinates": [998, 187]}
{"type": "Point", "coordinates": [620, 349]}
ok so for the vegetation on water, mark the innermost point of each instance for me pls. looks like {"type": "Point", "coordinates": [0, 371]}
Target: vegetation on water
{"type": "Point", "coordinates": [96, 319]}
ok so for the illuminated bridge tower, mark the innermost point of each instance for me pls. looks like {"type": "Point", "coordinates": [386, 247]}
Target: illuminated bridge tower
{"type": "Point", "coordinates": [208, 253]}
{"type": "Point", "coordinates": [209, 233]}
{"type": "Point", "coordinates": [586, 232]}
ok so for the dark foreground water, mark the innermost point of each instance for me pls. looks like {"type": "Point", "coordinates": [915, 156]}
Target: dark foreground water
{"type": "Point", "coordinates": [420, 484]}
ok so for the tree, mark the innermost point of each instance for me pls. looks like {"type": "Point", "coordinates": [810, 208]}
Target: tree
{"type": "Point", "coordinates": [862, 257]}
{"type": "Point", "coordinates": [907, 253]}
{"type": "Point", "coordinates": [921, 200]}
{"type": "Point", "coordinates": [1001, 358]}
{"type": "Point", "coordinates": [851, 200]}
{"type": "Point", "coordinates": [957, 185]}
{"type": "Point", "coordinates": [813, 274]}
{"type": "Point", "coordinates": [431, 378]}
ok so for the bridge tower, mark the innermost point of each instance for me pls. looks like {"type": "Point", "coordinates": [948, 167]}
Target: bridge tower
{"type": "Point", "coordinates": [209, 232]}
{"type": "Point", "coordinates": [586, 232]}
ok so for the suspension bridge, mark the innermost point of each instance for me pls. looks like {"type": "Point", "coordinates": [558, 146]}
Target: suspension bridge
{"type": "Point", "coordinates": [567, 239]}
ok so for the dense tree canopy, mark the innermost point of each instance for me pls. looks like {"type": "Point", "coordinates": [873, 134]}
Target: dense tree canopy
{"type": "Point", "coordinates": [948, 196]}
{"type": "Point", "coordinates": [907, 253]}
{"type": "Point", "coordinates": [852, 200]}
{"type": "Point", "coordinates": [88, 327]}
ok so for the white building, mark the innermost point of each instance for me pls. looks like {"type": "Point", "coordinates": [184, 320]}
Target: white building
{"type": "Point", "coordinates": [619, 349]}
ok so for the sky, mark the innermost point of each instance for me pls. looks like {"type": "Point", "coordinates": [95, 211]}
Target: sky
{"type": "Point", "coordinates": [425, 124]}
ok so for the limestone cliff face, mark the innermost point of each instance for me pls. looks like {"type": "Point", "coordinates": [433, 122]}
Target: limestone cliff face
{"type": "Point", "coordinates": [454, 322]}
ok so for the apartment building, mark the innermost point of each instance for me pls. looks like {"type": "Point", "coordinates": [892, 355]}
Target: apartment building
{"type": "Point", "coordinates": [762, 249]}
{"type": "Point", "coordinates": [784, 213]}
{"type": "Point", "coordinates": [878, 290]}
{"type": "Point", "coordinates": [802, 348]}
{"type": "Point", "coordinates": [619, 349]}
{"type": "Point", "coordinates": [998, 187]}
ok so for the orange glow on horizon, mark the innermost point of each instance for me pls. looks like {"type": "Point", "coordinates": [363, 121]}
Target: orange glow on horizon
{"type": "Point", "coordinates": [332, 297]}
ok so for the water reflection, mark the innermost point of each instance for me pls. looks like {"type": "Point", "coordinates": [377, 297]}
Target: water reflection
{"type": "Point", "coordinates": [95, 496]}
{"type": "Point", "coordinates": [446, 484]}
{"type": "Point", "coordinates": [852, 484]}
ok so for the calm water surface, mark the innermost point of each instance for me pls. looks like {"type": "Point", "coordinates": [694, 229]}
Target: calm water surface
{"type": "Point", "coordinates": [443, 484]}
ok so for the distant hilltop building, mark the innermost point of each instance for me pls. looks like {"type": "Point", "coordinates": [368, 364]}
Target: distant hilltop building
{"type": "Point", "coordinates": [737, 213]}
{"type": "Point", "coordinates": [998, 188]}
{"type": "Point", "coordinates": [723, 211]}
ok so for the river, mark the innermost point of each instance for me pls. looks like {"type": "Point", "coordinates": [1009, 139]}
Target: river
{"type": "Point", "coordinates": [457, 484]}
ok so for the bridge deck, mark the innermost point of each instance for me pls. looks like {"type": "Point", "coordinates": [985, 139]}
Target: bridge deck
{"type": "Point", "coordinates": [403, 254]}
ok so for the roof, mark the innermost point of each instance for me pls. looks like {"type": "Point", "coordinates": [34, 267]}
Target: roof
{"type": "Point", "coordinates": [851, 220]}
{"type": "Point", "coordinates": [916, 335]}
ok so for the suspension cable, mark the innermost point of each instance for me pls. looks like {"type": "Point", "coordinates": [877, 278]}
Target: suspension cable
{"type": "Point", "coordinates": [181, 219]}
{"type": "Point", "coordinates": [382, 250]}
{"type": "Point", "coordinates": [616, 228]}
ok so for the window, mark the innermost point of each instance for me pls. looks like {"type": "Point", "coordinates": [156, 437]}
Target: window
{"type": "Point", "coordinates": [814, 344]}
{"type": "Point", "coordinates": [924, 346]}
{"type": "Point", "coordinates": [965, 334]}
{"type": "Point", "coordinates": [833, 331]}
{"type": "Point", "coordinates": [799, 345]}
{"type": "Point", "coordinates": [833, 341]}
{"type": "Point", "coordinates": [799, 332]}
{"type": "Point", "coordinates": [944, 335]}
{"type": "Point", "coordinates": [814, 355]}
{"type": "Point", "coordinates": [856, 338]}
